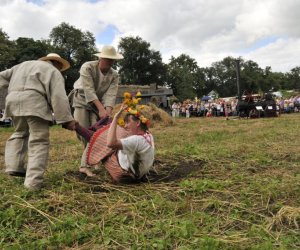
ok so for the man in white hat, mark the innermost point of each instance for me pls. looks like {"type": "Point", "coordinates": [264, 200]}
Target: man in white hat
{"type": "Point", "coordinates": [36, 91]}
{"type": "Point", "coordinates": [95, 91]}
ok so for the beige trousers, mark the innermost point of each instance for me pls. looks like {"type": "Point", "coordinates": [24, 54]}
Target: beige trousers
{"type": "Point", "coordinates": [31, 136]}
{"type": "Point", "coordinates": [86, 119]}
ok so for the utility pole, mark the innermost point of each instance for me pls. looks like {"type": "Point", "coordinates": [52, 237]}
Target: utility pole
{"type": "Point", "coordinates": [238, 78]}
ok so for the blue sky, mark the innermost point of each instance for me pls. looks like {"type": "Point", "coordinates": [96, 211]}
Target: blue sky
{"type": "Point", "coordinates": [38, 2]}
{"type": "Point", "coordinates": [266, 31]}
{"type": "Point", "coordinates": [260, 44]}
{"type": "Point", "coordinates": [107, 35]}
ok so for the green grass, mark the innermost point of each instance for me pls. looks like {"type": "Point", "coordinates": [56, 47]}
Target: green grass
{"type": "Point", "coordinates": [219, 185]}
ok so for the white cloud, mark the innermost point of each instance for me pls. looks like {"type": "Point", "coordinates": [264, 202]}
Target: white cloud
{"type": "Point", "coordinates": [281, 55]}
{"type": "Point", "coordinates": [264, 31]}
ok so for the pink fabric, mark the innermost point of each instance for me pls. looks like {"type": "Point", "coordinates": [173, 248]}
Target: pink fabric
{"type": "Point", "coordinates": [118, 174]}
{"type": "Point", "coordinates": [87, 133]}
{"type": "Point", "coordinates": [98, 149]}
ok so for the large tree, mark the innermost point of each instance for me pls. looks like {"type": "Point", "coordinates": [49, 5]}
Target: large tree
{"type": "Point", "coordinates": [251, 76]}
{"type": "Point", "coordinates": [201, 85]}
{"type": "Point", "coordinates": [182, 76]}
{"type": "Point", "coordinates": [292, 79]}
{"type": "Point", "coordinates": [75, 46]}
{"type": "Point", "coordinates": [29, 49]}
{"type": "Point", "coordinates": [7, 51]}
{"type": "Point", "coordinates": [225, 76]}
{"type": "Point", "coordinates": [140, 65]}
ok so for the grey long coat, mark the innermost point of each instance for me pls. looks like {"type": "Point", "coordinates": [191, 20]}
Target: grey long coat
{"type": "Point", "coordinates": [95, 86]}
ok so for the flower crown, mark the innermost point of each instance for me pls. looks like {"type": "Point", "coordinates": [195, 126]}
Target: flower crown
{"type": "Point", "coordinates": [132, 108]}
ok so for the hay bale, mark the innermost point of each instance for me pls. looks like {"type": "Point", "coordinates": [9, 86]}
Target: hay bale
{"type": "Point", "coordinates": [156, 115]}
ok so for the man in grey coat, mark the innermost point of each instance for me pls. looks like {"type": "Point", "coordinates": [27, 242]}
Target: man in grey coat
{"type": "Point", "coordinates": [95, 91]}
{"type": "Point", "coordinates": [36, 93]}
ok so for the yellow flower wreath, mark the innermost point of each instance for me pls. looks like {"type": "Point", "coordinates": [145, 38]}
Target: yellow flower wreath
{"type": "Point", "coordinates": [132, 102]}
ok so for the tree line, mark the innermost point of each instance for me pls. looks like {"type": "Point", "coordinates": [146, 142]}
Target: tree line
{"type": "Point", "coordinates": [142, 65]}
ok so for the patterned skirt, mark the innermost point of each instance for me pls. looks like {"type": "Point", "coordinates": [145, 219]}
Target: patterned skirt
{"type": "Point", "coordinates": [98, 151]}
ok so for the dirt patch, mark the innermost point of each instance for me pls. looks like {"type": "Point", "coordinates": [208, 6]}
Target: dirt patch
{"type": "Point", "coordinates": [167, 170]}
{"type": "Point", "coordinates": [164, 170]}
{"type": "Point", "coordinates": [95, 180]}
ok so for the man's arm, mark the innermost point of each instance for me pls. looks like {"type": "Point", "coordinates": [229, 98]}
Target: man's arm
{"type": "Point", "coordinates": [59, 101]}
{"type": "Point", "coordinates": [5, 78]}
{"type": "Point", "coordinates": [109, 98]}
{"type": "Point", "coordinates": [89, 90]}
{"type": "Point", "coordinates": [101, 110]}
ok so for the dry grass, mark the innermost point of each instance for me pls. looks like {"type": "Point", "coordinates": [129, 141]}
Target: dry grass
{"type": "Point", "coordinates": [289, 216]}
{"type": "Point", "coordinates": [217, 184]}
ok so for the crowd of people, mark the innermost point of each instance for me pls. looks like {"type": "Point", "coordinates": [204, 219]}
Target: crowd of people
{"type": "Point", "coordinates": [226, 107]}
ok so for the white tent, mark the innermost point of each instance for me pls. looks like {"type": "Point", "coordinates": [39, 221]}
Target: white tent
{"type": "Point", "coordinates": [277, 94]}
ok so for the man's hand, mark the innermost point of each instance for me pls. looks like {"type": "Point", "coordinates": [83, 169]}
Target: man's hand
{"type": "Point", "coordinates": [69, 125]}
{"type": "Point", "coordinates": [102, 112]}
{"type": "Point", "coordinates": [108, 110]}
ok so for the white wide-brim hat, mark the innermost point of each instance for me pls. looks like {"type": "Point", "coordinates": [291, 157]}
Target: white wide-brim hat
{"type": "Point", "coordinates": [109, 52]}
{"type": "Point", "coordinates": [55, 57]}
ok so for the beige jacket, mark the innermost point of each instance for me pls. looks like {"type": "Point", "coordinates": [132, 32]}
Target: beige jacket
{"type": "Point", "coordinates": [36, 88]}
{"type": "Point", "coordinates": [93, 85]}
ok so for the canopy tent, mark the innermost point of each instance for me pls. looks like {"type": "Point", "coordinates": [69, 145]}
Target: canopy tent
{"type": "Point", "coordinates": [206, 98]}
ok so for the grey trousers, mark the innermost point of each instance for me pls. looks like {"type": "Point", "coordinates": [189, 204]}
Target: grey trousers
{"type": "Point", "coordinates": [31, 136]}
{"type": "Point", "coordinates": [85, 118]}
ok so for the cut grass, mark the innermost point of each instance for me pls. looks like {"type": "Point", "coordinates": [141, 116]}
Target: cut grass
{"type": "Point", "coordinates": [218, 185]}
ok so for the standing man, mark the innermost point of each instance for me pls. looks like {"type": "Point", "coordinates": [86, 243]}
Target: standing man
{"type": "Point", "coordinates": [36, 93]}
{"type": "Point", "coordinates": [95, 91]}
{"type": "Point", "coordinates": [97, 87]}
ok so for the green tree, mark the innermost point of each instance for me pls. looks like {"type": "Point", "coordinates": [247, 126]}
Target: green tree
{"type": "Point", "coordinates": [7, 51]}
{"type": "Point", "coordinates": [75, 46]}
{"type": "Point", "coordinates": [224, 77]}
{"type": "Point", "coordinates": [182, 76]}
{"type": "Point", "coordinates": [28, 49]}
{"type": "Point", "coordinates": [251, 76]}
{"type": "Point", "coordinates": [201, 85]}
{"type": "Point", "coordinates": [292, 79]}
{"type": "Point", "coordinates": [269, 80]}
{"type": "Point", "coordinates": [209, 82]}
{"type": "Point", "coordinates": [140, 65]}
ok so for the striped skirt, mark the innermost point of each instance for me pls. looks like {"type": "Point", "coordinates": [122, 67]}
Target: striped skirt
{"type": "Point", "coordinates": [98, 151]}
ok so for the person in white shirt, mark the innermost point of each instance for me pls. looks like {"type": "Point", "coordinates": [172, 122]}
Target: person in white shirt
{"type": "Point", "coordinates": [134, 154]}
{"type": "Point", "coordinates": [174, 108]}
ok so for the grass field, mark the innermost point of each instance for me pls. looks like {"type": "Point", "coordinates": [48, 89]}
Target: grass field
{"type": "Point", "coordinates": [218, 185]}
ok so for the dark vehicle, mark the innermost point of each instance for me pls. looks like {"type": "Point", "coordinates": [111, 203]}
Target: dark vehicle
{"type": "Point", "coordinates": [269, 106]}
{"type": "Point", "coordinates": [253, 106]}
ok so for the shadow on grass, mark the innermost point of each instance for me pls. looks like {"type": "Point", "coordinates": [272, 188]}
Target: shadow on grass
{"type": "Point", "coordinates": [165, 170]}
{"type": "Point", "coordinates": [170, 170]}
